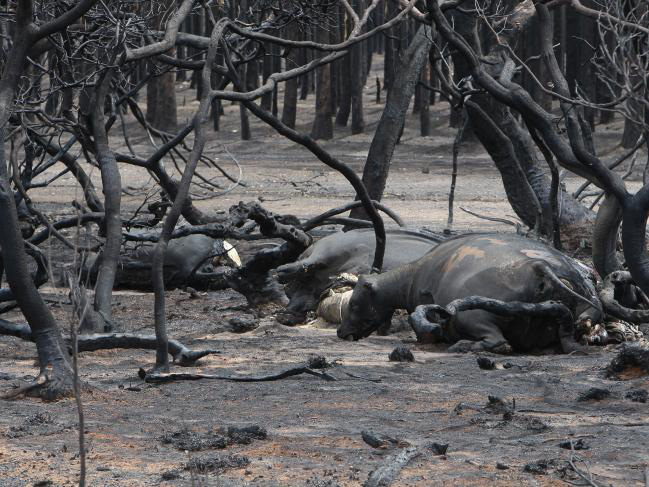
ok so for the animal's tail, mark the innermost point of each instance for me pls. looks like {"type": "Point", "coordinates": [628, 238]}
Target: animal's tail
{"type": "Point", "coordinates": [543, 268]}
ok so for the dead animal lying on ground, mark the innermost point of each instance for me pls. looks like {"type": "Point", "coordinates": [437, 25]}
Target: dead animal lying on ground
{"type": "Point", "coordinates": [344, 252]}
{"type": "Point", "coordinates": [189, 261]}
{"type": "Point", "coordinates": [504, 269]}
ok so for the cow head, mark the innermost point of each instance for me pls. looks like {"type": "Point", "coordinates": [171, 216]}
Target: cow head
{"type": "Point", "coordinates": [365, 312]}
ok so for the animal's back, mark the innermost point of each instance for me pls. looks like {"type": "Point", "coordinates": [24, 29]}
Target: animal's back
{"type": "Point", "coordinates": [354, 251]}
{"type": "Point", "coordinates": [490, 265]}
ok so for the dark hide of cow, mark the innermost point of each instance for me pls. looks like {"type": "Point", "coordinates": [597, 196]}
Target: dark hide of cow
{"type": "Point", "coordinates": [502, 267]}
{"type": "Point", "coordinates": [188, 262]}
{"type": "Point", "coordinates": [344, 252]}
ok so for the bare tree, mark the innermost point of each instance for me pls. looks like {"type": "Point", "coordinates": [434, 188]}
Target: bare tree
{"type": "Point", "coordinates": [99, 51]}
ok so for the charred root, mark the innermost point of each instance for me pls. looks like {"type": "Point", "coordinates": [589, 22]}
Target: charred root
{"type": "Point", "coordinates": [53, 383]}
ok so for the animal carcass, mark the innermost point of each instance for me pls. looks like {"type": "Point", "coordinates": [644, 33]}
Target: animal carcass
{"type": "Point", "coordinates": [345, 252]}
{"type": "Point", "coordinates": [188, 262]}
{"type": "Point", "coordinates": [503, 267]}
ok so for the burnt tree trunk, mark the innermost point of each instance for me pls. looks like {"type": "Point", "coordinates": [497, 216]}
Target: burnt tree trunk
{"type": "Point", "coordinates": [249, 75]}
{"type": "Point", "coordinates": [302, 59]}
{"type": "Point", "coordinates": [357, 81]}
{"type": "Point", "coordinates": [532, 50]}
{"type": "Point", "coordinates": [112, 188]}
{"type": "Point", "coordinates": [277, 67]}
{"type": "Point", "coordinates": [424, 103]}
{"type": "Point", "coordinates": [582, 42]}
{"type": "Point", "coordinates": [344, 78]}
{"type": "Point", "coordinates": [466, 26]}
{"type": "Point", "coordinates": [516, 156]}
{"type": "Point", "coordinates": [632, 130]}
{"type": "Point", "coordinates": [375, 172]}
{"type": "Point", "coordinates": [161, 94]}
{"type": "Point", "coordinates": [268, 68]}
{"type": "Point", "coordinates": [323, 125]}
{"type": "Point", "coordinates": [391, 47]}
{"type": "Point", "coordinates": [52, 353]}
{"type": "Point", "coordinates": [289, 110]}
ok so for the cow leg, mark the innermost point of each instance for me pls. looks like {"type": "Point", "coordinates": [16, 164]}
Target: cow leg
{"type": "Point", "coordinates": [482, 330]}
{"type": "Point", "coordinates": [384, 329]}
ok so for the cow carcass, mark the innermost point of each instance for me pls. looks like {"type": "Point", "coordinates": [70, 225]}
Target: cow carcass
{"type": "Point", "coordinates": [507, 268]}
{"type": "Point", "coordinates": [189, 261]}
{"type": "Point", "coordinates": [349, 252]}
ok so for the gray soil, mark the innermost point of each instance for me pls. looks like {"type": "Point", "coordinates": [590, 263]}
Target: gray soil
{"type": "Point", "coordinates": [314, 426]}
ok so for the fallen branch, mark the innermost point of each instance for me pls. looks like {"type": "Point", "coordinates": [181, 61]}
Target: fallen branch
{"type": "Point", "coordinates": [587, 476]}
{"type": "Point", "coordinates": [491, 218]}
{"type": "Point", "coordinates": [382, 441]}
{"type": "Point", "coordinates": [269, 224]}
{"type": "Point", "coordinates": [315, 221]}
{"type": "Point", "coordinates": [182, 355]}
{"type": "Point", "coordinates": [157, 378]}
{"type": "Point", "coordinates": [386, 473]}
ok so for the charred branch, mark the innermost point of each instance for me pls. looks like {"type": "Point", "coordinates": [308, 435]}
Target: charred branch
{"type": "Point", "coordinates": [181, 355]}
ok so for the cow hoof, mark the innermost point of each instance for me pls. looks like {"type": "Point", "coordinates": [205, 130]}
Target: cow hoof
{"type": "Point", "coordinates": [463, 346]}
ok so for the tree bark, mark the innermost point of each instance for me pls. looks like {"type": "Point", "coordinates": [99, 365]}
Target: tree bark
{"type": "Point", "coordinates": [424, 103]}
{"type": "Point", "coordinates": [289, 110]}
{"type": "Point", "coordinates": [519, 165]}
{"type": "Point", "coordinates": [161, 95]}
{"type": "Point", "coordinates": [267, 70]}
{"type": "Point", "coordinates": [303, 80]}
{"type": "Point", "coordinates": [532, 51]}
{"type": "Point", "coordinates": [323, 125]}
{"type": "Point", "coordinates": [250, 84]}
{"type": "Point", "coordinates": [582, 40]}
{"type": "Point", "coordinates": [375, 172]}
{"type": "Point", "coordinates": [391, 47]}
{"type": "Point", "coordinates": [53, 358]}
{"type": "Point", "coordinates": [344, 78]}
{"type": "Point", "coordinates": [357, 81]}
{"type": "Point", "coordinates": [466, 26]}
{"type": "Point", "coordinates": [112, 188]}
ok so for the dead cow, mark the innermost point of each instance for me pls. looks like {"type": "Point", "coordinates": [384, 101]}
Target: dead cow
{"type": "Point", "coordinates": [507, 268]}
{"type": "Point", "coordinates": [188, 262]}
{"type": "Point", "coordinates": [344, 252]}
